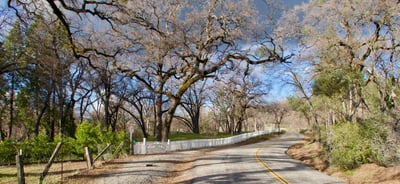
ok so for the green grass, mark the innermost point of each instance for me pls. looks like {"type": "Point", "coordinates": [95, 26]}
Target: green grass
{"type": "Point", "coordinates": [181, 136]}
{"type": "Point", "coordinates": [348, 172]}
{"type": "Point", "coordinates": [262, 138]}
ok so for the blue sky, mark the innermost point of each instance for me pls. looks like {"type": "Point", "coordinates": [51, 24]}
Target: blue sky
{"type": "Point", "coordinates": [276, 74]}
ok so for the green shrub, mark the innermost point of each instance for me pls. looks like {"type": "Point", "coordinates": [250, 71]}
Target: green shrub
{"type": "Point", "coordinates": [41, 148]}
{"type": "Point", "coordinates": [86, 135]}
{"type": "Point", "coordinates": [121, 137]}
{"type": "Point", "coordinates": [8, 151]}
{"type": "Point", "coordinates": [68, 151]}
{"type": "Point", "coordinates": [350, 148]}
{"type": "Point", "coordinates": [96, 138]}
{"type": "Point", "coordinates": [26, 147]}
{"type": "Point", "coordinates": [376, 128]}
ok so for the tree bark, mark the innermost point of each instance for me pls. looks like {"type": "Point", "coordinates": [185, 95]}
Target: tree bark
{"type": "Point", "coordinates": [11, 122]}
{"type": "Point", "coordinates": [166, 124]}
{"type": "Point", "coordinates": [40, 115]}
{"type": "Point", "coordinates": [159, 121]}
{"type": "Point", "coordinates": [196, 121]}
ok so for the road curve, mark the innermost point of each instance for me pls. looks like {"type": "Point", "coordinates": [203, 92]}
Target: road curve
{"type": "Point", "coordinates": [264, 162]}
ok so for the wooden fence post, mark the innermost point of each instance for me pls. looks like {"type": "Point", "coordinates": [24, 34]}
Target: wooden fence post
{"type": "Point", "coordinates": [117, 150]}
{"type": "Point", "coordinates": [131, 143]}
{"type": "Point", "coordinates": [20, 167]}
{"type": "Point", "coordinates": [132, 147]}
{"type": "Point", "coordinates": [144, 146]}
{"type": "Point", "coordinates": [168, 145]}
{"type": "Point", "coordinates": [101, 153]}
{"type": "Point", "coordinates": [88, 158]}
{"type": "Point", "coordinates": [46, 169]}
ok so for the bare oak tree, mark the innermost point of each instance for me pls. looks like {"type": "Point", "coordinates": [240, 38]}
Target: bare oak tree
{"type": "Point", "coordinates": [235, 93]}
{"type": "Point", "coordinates": [166, 45]}
{"type": "Point", "coordinates": [192, 102]}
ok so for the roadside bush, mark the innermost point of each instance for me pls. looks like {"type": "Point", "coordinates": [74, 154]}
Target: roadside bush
{"type": "Point", "coordinates": [68, 151]}
{"type": "Point", "coordinates": [86, 135]}
{"type": "Point", "coordinates": [378, 130]}
{"type": "Point", "coordinates": [7, 151]}
{"type": "Point", "coordinates": [96, 138]}
{"type": "Point", "coordinates": [350, 147]}
{"type": "Point", "coordinates": [40, 148]}
{"type": "Point", "coordinates": [106, 137]}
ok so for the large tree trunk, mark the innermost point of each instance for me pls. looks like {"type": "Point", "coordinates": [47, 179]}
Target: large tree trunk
{"type": "Point", "coordinates": [2, 137]}
{"type": "Point", "coordinates": [40, 115]}
{"type": "Point", "coordinates": [52, 116]}
{"type": "Point", "coordinates": [166, 124]}
{"type": "Point", "coordinates": [165, 131]}
{"type": "Point", "coordinates": [241, 119]}
{"type": "Point", "coordinates": [195, 122]}
{"type": "Point", "coordinates": [239, 126]}
{"type": "Point", "coordinates": [159, 119]}
{"type": "Point", "coordinates": [11, 122]}
{"type": "Point", "coordinates": [144, 131]}
{"type": "Point", "coordinates": [71, 119]}
{"type": "Point", "coordinates": [107, 114]}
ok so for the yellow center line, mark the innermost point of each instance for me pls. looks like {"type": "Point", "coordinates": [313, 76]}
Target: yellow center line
{"type": "Point", "coordinates": [270, 170]}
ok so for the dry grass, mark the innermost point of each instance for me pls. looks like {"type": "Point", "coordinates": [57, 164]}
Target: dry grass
{"type": "Point", "coordinates": [8, 174]}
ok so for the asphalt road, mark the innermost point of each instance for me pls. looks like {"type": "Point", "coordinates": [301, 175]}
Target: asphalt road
{"type": "Point", "coordinates": [264, 162]}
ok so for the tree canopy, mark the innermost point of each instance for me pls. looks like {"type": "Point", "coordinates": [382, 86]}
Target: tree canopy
{"type": "Point", "coordinates": [165, 47]}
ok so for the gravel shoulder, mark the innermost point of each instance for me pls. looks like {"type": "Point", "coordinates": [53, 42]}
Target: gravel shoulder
{"type": "Point", "coordinates": [143, 169]}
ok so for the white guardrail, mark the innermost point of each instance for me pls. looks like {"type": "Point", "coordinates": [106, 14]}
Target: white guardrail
{"type": "Point", "coordinates": [162, 147]}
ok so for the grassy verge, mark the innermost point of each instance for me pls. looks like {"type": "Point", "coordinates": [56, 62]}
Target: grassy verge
{"type": "Point", "coordinates": [182, 136]}
{"type": "Point", "coordinates": [179, 136]}
{"type": "Point", "coordinates": [262, 138]}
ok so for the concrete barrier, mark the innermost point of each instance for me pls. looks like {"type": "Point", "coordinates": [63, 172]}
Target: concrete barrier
{"type": "Point", "coordinates": [146, 147]}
